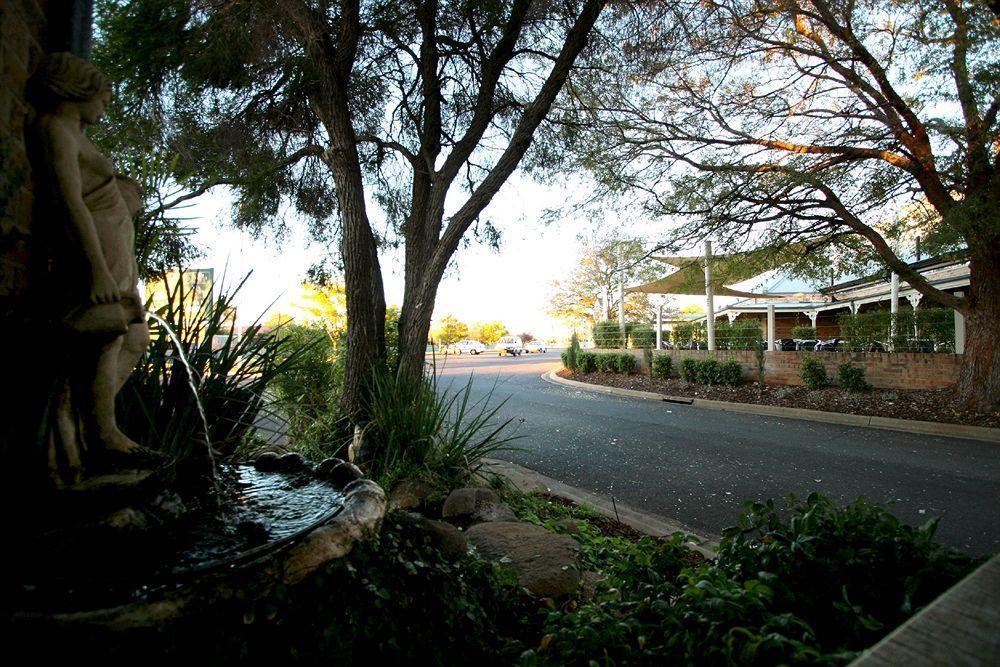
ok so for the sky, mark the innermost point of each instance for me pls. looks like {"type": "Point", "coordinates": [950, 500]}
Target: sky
{"type": "Point", "coordinates": [512, 285]}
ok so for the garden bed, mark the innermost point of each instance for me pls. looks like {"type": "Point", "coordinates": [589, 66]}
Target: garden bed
{"type": "Point", "coordinates": [934, 405]}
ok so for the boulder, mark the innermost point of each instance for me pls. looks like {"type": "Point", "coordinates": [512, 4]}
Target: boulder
{"type": "Point", "coordinates": [475, 505]}
{"type": "Point", "coordinates": [338, 472]}
{"type": "Point", "coordinates": [567, 526]}
{"type": "Point", "coordinates": [544, 562]}
{"type": "Point", "coordinates": [409, 493]}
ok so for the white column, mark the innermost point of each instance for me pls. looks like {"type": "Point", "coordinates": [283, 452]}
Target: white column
{"type": "Point", "coordinates": [770, 327]}
{"type": "Point", "coordinates": [621, 307]}
{"type": "Point", "coordinates": [959, 329]}
{"type": "Point", "coordinates": [893, 307]}
{"type": "Point", "coordinates": [732, 316]}
{"type": "Point", "coordinates": [709, 304]}
{"type": "Point", "coordinates": [813, 314]}
{"type": "Point", "coordinates": [659, 327]}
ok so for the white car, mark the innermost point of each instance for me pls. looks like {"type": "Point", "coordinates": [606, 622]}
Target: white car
{"type": "Point", "coordinates": [466, 346]}
{"type": "Point", "coordinates": [512, 345]}
{"type": "Point", "coordinates": [536, 346]}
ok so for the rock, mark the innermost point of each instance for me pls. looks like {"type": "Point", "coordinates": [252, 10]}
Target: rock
{"type": "Point", "coordinates": [544, 562]}
{"type": "Point", "coordinates": [589, 582]}
{"type": "Point", "coordinates": [447, 538]}
{"type": "Point", "coordinates": [267, 462]}
{"type": "Point", "coordinates": [293, 462]}
{"type": "Point", "coordinates": [338, 472]}
{"type": "Point", "coordinates": [568, 526]}
{"type": "Point", "coordinates": [409, 493]}
{"type": "Point", "coordinates": [128, 519]}
{"type": "Point", "coordinates": [475, 505]}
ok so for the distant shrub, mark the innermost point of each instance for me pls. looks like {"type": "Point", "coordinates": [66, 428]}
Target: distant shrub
{"type": "Point", "coordinates": [813, 372]}
{"type": "Point", "coordinates": [731, 372]}
{"type": "Point", "coordinates": [852, 378]}
{"type": "Point", "coordinates": [688, 369]}
{"type": "Point", "coordinates": [804, 333]}
{"type": "Point", "coordinates": [625, 363]}
{"type": "Point", "coordinates": [586, 362]}
{"type": "Point", "coordinates": [662, 365]}
{"type": "Point", "coordinates": [607, 363]}
{"type": "Point", "coordinates": [709, 371]}
{"type": "Point", "coordinates": [608, 334]}
{"type": "Point", "coordinates": [641, 335]}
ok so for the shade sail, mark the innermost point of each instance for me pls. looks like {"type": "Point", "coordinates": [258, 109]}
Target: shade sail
{"type": "Point", "coordinates": [726, 270]}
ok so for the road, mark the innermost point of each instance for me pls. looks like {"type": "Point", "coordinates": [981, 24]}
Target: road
{"type": "Point", "coordinates": [698, 466]}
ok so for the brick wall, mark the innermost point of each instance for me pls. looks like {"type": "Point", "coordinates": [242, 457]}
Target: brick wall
{"type": "Point", "coordinates": [21, 24]}
{"type": "Point", "coordinates": [906, 370]}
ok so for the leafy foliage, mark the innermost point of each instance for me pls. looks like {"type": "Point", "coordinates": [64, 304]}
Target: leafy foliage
{"type": "Point", "coordinates": [731, 372]}
{"type": "Point", "coordinates": [813, 373]}
{"type": "Point", "coordinates": [489, 333]}
{"type": "Point", "coordinates": [709, 371]}
{"type": "Point", "coordinates": [803, 333]}
{"type": "Point", "coordinates": [852, 378]}
{"type": "Point", "coordinates": [688, 369]}
{"type": "Point", "coordinates": [422, 429]}
{"type": "Point", "coordinates": [662, 366]}
{"type": "Point", "coordinates": [587, 362]}
{"type": "Point", "coordinates": [157, 406]}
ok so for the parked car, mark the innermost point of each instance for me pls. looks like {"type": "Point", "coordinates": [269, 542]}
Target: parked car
{"type": "Point", "coordinates": [512, 345]}
{"type": "Point", "coordinates": [536, 346]}
{"type": "Point", "coordinates": [466, 347]}
{"type": "Point", "coordinates": [829, 345]}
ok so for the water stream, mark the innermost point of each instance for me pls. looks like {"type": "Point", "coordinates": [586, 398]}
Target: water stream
{"type": "Point", "coordinates": [191, 375]}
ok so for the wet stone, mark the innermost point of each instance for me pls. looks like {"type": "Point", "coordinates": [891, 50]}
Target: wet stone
{"type": "Point", "coordinates": [338, 472]}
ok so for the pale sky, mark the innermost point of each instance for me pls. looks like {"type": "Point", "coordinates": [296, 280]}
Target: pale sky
{"type": "Point", "coordinates": [512, 285]}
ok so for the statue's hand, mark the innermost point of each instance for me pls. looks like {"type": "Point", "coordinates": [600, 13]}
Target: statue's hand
{"type": "Point", "coordinates": [103, 288]}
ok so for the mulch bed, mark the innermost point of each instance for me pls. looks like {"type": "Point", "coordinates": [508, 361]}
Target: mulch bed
{"type": "Point", "coordinates": [934, 405]}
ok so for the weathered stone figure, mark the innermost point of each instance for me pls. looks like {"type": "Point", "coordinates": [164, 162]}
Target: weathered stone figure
{"type": "Point", "coordinates": [90, 273]}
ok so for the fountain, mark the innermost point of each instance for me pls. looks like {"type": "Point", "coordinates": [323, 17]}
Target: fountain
{"type": "Point", "coordinates": [114, 535]}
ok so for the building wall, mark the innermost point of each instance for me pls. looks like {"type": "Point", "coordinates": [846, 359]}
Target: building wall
{"type": "Point", "coordinates": [905, 370]}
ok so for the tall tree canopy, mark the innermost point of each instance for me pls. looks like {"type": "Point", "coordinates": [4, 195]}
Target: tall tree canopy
{"type": "Point", "coordinates": [834, 123]}
{"type": "Point", "coordinates": [322, 107]}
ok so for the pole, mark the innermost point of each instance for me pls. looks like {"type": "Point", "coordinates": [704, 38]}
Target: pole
{"type": "Point", "coordinates": [709, 304]}
{"type": "Point", "coordinates": [659, 327]}
{"type": "Point", "coordinates": [893, 308]}
{"type": "Point", "coordinates": [959, 329]}
{"type": "Point", "coordinates": [770, 327]}
{"type": "Point", "coordinates": [621, 302]}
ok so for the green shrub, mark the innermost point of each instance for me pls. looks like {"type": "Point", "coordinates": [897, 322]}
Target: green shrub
{"type": "Point", "coordinates": [157, 407]}
{"type": "Point", "coordinates": [607, 362]}
{"type": "Point", "coordinates": [688, 369]}
{"type": "Point", "coordinates": [686, 333]}
{"type": "Point", "coordinates": [625, 363]}
{"type": "Point", "coordinates": [564, 355]}
{"type": "Point", "coordinates": [586, 362]}
{"type": "Point", "coordinates": [641, 335]}
{"type": "Point", "coordinates": [813, 372]}
{"type": "Point", "coordinates": [804, 333]}
{"type": "Point", "coordinates": [662, 366]}
{"type": "Point", "coordinates": [852, 378]}
{"type": "Point", "coordinates": [573, 352]}
{"type": "Point", "coordinates": [608, 334]}
{"type": "Point", "coordinates": [419, 427]}
{"type": "Point", "coordinates": [708, 371]}
{"type": "Point", "coordinates": [731, 372]}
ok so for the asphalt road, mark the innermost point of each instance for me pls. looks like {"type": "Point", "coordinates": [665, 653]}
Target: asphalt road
{"type": "Point", "coordinates": [698, 466]}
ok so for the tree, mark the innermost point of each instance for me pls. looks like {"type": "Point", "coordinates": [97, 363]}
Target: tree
{"type": "Point", "coordinates": [593, 285]}
{"type": "Point", "coordinates": [526, 337]}
{"type": "Point", "coordinates": [329, 105]}
{"type": "Point", "coordinates": [451, 331]}
{"type": "Point", "coordinates": [820, 122]}
{"type": "Point", "coordinates": [488, 333]}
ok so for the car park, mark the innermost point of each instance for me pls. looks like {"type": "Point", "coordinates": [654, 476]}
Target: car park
{"type": "Point", "coordinates": [536, 346]}
{"type": "Point", "coordinates": [512, 345]}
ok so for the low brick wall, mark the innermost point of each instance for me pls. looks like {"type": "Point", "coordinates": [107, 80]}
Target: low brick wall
{"type": "Point", "coordinates": [905, 370]}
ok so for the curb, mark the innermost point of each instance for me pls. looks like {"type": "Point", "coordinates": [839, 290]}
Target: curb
{"type": "Point", "coordinates": [527, 480]}
{"type": "Point", "coordinates": [981, 433]}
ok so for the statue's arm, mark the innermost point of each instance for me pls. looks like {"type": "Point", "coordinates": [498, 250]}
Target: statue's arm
{"type": "Point", "coordinates": [63, 153]}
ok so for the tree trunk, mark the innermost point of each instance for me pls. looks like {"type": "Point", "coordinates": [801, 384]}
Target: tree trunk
{"type": "Point", "coordinates": [414, 325]}
{"type": "Point", "coordinates": [979, 378]}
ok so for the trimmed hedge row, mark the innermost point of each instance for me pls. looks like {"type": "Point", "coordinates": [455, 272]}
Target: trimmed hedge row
{"type": "Point", "coordinates": [711, 371]}
{"type": "Point", "coordinates": [612, 362]}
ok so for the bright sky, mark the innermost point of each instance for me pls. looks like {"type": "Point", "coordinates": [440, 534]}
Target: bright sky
{"type": "Point", "coordinates": [512, 285]}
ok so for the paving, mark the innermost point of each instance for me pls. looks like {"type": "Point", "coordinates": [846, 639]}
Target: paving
{"type": "Point", "coordinates": [697, 466]}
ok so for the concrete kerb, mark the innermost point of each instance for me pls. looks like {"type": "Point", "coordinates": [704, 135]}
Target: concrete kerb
{"type": "Point", "coordinates": [529, 481]}
{"type": "Point", "coordinates": [981, 433]}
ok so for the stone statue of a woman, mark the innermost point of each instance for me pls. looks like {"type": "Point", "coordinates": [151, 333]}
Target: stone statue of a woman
{"type": "Point", "coordinates": [90, 275]}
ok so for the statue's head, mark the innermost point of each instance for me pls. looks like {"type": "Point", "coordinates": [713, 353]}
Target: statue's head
{"type": "Point", "coordinates": [64, 77]}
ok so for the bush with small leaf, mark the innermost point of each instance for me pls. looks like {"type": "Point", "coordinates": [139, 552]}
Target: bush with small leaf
{"type": "Point", "coordinates": [625, 363]}
{"type": "Point", "coordinates": [688, 369]}
{"type": "Point", "coordinates": [813, 373]}
{"type": "Point", "coordinates": [607, 363]}
{"type": "Point", "coordinates": [586, 362]}
{"type": "Point", "coordinates": [804, 333]}
{"type": "Point", "coordinates": [852, 378]}
{"type": "Point", "coordinates": [709, 371]}
{"type": "Point", "coordinates": [662, 365]}
{"type": "Point", "coordinates": [731, 372]}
